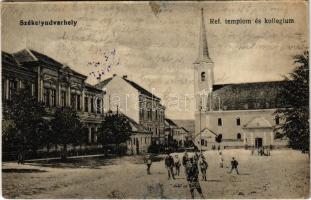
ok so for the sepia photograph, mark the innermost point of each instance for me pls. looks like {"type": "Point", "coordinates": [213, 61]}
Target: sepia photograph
{"type": "Point", "coordinates": [155, 100]}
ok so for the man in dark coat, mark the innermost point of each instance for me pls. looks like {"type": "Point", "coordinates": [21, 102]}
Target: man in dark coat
{"type": "Point", "coordinates": [193, 179]}
{"type": "Point", "coordinates": [234, 165]}
{"type": "Point", "coordinates": [169, 164]}
{"type": "Point", "coordinates": [184, 162]}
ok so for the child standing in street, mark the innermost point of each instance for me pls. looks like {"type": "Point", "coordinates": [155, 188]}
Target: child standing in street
{"type": "Point", "coordinates": [149, 163]}
{"type": "Point", "coordinates": [203, 167]}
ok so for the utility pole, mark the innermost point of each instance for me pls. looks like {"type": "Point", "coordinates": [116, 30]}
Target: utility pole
{"type": "Point", "coordinates": [200, 109]}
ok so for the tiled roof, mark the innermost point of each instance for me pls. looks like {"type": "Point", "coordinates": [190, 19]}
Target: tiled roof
{"type": "Point", "coordinates": [29, 55]}
{"type": "Point", "coordinates": [103, 83]}
{"type": "Point", "coordinates": [8, 58]}
{"type": "Point", "coordinates": [245, 96]}
{"type": "Point", "coordinates": [170, 122]}
{"type": "Point", "coordinates": [136, 127]}
{"type": "Point", "coordinates": [73, 71]}
{"type": "Point", "coordinates": [45, 59]}
{"type": "Point", "coordinates": [92, 87]}
{"type": "Point", "coordinates": [188, 124]}
{"type": "Point", "coordinates": [135, 85]}
{"type": "Point", "coordinates": [141, 89]}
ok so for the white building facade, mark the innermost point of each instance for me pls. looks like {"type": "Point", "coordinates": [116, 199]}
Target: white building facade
{"type": "Point", "coordinates": [244, 113]}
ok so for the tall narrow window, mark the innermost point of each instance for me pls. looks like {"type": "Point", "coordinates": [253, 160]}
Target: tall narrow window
{"type": "Point", "coordinates": [98, 106]}
{"type": "Point", "coordinates": [46, 96]}
{"type": "Point", "coordinates": [149, 113]}
{"type": "Point", "coordinates": [86, 104]}
{"type": "Point", "coordinates": [79, 102]}
{"type": "Point", "coordinates": [92, 105]}
{"type": "Point", "coordinates": [238, 121]}
{"type": "Point", "coordinates": [141, 114]}
{"type": "Point", "coordinates": [63, 98]}
{"type": "Point", "coordinates": [53, 97]}
{"type": "Point", "coordinates": [238, 136]}
{"type": "Point", "coordinates": [12, 88]}
{"type": "Point", "coordinates": [203, 76]}
{"type": "Point", "coordinates": [219, 122]}
{"type": "Point", "coordinates": [73, 101]}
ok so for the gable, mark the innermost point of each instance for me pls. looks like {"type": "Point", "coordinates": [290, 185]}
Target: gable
{"type": "Point", "coordinates": [258, 122]}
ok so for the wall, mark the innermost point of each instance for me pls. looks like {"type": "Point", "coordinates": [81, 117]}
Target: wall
{"type": "Point", "coordinates": [230, 129]}
{"type": "Point", "coordinates": [124, 95]}
{"type": "Point", "coordinates": [144, 141]}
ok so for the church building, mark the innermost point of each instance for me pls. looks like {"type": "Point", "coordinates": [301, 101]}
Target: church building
{"type": "Point", "coordinates": [243, 113]}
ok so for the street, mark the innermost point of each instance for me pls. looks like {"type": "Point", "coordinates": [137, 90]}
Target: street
{"type": "Point", "coordinates": [284, 174]}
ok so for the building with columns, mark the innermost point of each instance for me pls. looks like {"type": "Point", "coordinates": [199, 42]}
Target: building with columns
{"type": "Point", "coordinates": [54, 84]}
{"type": "Point", "coordinates": [243, 113]}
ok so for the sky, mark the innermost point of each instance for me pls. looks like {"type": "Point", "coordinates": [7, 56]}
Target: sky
{"type": "Point", "coordinates": [156, 43]}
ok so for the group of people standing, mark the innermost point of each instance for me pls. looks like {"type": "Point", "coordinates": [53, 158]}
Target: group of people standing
{"type": "Point", "coordinates": [193, 166]}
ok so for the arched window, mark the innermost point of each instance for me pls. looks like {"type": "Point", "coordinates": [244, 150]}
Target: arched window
{"type": "Point", "coordinates": [277, 120]}
{"type": "Point", "coordinates": [238, 136]}
{"type": "Point", "coordinates": [238, 121]}
{"type": "Point", "coordinates": [203, 76]}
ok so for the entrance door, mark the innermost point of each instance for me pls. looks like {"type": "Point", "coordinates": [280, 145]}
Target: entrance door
{"type": "Point", "coordinates": [258, 142]}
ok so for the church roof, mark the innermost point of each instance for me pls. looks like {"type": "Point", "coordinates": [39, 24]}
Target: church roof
{"type": "Point", "coordinates": [246, 96]}
{"type": "Point", "coordinates": [203, 55]}
{"type": "Point", "coordinates": [258, 122]}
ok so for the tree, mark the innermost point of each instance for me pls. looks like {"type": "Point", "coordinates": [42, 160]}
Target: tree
{"type": "Point", "coordinates": [26, 116]}
{"type": "Point", "coordinates": [67, 128]}
{"type": "Point", "coordinates": [115, 129]}
{"type": "Point", "coordinates": [294, 105]}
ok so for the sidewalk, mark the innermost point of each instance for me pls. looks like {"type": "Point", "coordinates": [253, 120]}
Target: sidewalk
{"type": "Point", "coordinates": [58, 158]}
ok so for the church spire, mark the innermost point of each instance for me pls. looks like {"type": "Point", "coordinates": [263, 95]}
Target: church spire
{"type": "Point", "coordinates": [203, 55]}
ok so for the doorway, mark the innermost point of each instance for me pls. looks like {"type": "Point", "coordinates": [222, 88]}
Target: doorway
{"type": "Point", "coordinates": [258, 142]}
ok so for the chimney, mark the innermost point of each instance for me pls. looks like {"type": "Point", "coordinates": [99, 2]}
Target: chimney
{"type": "Point", "coordinates": [114, 75]}
{"type": "Point", "coordinates": [124, 76]}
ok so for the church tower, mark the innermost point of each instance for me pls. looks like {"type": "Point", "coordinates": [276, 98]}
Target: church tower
{"type": "Point", "coordinates": [203, 73]}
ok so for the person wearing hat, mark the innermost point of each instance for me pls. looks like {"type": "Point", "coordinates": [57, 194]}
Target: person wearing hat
{"type": "Point", "coordinates": [203, 167]}
{"type": "Point", "coordinates": [177, 165]}
{"type": "Point", "coordinates": [193, 179]}
{"type": "Point", "coordinates": [169, 164]}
